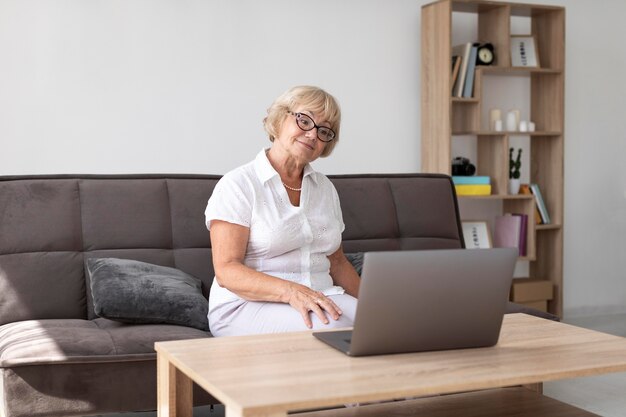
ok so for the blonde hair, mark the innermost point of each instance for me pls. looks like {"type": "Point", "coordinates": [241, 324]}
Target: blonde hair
{"type": "Point", "coordinates": [314, 99]}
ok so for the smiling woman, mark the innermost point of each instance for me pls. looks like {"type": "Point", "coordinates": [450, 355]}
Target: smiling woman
{"type": "Point", "coordinates": [276, 227]}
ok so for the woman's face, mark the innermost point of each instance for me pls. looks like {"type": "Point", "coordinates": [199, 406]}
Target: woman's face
{"type": "Point", "coordinates": [303, 145]}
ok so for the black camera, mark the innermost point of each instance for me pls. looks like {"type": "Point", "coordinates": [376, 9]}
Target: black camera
{"type": "Point", "coordinates": [462, 167]}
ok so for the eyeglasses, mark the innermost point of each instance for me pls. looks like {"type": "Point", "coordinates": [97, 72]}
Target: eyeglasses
{"type": "Point", "coordinates": [306, 123]}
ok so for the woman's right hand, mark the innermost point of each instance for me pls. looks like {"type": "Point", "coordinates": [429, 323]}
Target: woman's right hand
{"type": "Point", "coordinates": [306, 300]}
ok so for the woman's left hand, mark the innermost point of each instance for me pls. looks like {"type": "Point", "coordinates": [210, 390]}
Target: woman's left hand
{"type": "Point", "coordinates": [306, 300]}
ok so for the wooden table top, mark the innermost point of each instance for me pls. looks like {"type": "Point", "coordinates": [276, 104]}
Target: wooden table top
{"type": "Point", "coordinates": [294, 371]}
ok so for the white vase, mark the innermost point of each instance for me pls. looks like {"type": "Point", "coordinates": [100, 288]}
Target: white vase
{"type": "Point", "coordinates": [514, 186]}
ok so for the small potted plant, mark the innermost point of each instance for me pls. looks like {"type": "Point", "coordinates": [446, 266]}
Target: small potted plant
{"type": "Point", "coordinates": [514, 167]}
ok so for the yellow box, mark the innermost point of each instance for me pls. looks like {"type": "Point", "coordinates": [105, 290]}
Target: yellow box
{"type": "Point", "coordinates": [531, 289]}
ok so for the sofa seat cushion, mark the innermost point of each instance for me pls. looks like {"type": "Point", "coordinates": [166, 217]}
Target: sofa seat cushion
{"type": "Point", "coordinates": [34, 342]}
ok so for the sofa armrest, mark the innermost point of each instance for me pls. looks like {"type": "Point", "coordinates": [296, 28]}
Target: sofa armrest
{"type": "Point", "coordinates": [519, 308]}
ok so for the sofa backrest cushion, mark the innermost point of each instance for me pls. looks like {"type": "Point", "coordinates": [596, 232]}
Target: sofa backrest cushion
{"type": "Point", "coordinates": [50, 224]}
{"type": "Point", "coordinates": [398, 212]}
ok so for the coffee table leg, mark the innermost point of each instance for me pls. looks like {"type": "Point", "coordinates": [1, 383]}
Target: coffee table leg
{"type": "Point", "coordinates": [175, 390]}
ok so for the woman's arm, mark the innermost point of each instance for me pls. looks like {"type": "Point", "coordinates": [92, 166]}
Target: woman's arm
{"type": "Point", "coordinates": [343, 273]}
{"type": "Point", "coordinates": [229, 242]}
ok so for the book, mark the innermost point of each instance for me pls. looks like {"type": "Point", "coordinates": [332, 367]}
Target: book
{"type": "Point", "coordinates": [473, 189]}
{"type": "Point", "coordinates": [456, 65]}
{"type": "Point", "coordinates": [523, 233]}
{"type": "Point", "coordinates": [541, 205]}
{"type": "Point", "coordinates": [463, 51]}
{"type": "Point", "coordinates": [525, 189]}
{"type": "Point", "coordinates": [464, 180]}
{"type": "Point", "coordinates": [468, 87]}
{"type": "Point", "coordinates": [507, 231]}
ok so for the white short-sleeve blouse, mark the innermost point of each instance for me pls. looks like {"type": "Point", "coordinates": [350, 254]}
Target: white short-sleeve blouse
{"type": "Point", "coordinates": [285, 241]}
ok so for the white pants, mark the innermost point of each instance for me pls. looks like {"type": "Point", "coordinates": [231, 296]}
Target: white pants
{"type": "Point", "coordinates": [243, 317]}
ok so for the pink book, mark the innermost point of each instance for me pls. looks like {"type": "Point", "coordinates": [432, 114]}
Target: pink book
{"type": "Point", "coordinates": [523, 233]}
{"type": "Point", "coordinates": [507, 231]}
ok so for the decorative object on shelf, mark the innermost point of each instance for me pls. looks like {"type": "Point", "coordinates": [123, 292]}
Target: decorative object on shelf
{"type": "Point", "coordinates": [462, 166]}
{"type": "Point", "coordinates": [511, 121]}
{"type": "Point", "coordinates": [495, 115]}
{"type": "Point", "coordinates": [524, 51]}
{"type": "Point", "coordinates": [498, 126]}
{"type": "Point", "coordinates": [516, 112]}
{"type": "Point", "coordinates": [531, 126]}
{"type": "Point", "coordinates": [485, 54]}
{"type": "Point", "coordinates": [523, 126]}
{"type": "Point", "coordinates": [511, 125]}
{"type": "Point", "coordinates": [514, 170]}
{"type": "Point", "coordinates": [476, 235]}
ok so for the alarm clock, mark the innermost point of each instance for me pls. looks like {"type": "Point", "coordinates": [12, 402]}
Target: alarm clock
{"type": "Point", "coordinates": [485, 54]}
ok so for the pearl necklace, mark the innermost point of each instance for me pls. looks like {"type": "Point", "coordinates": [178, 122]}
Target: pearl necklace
{"type": "Point", "coordinates": [291, 188]}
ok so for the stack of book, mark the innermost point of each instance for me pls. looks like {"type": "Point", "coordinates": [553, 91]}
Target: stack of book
{"type": "Point", "coordinates": [541, 205]}
{"type": "Point", "coordinates": [463, 69]}
{"type": "Point", "coordinates": [476, 185]}
{"type": "Point", "coordinates": [510, 231]}
{"type": "Point", "coordinates": [541, 212]}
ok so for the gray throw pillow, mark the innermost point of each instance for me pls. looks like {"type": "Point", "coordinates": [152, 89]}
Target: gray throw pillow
{"type": "Point", "coordinates": [356, 259]}
{"type": "Point", "coordinates": [137, 292]}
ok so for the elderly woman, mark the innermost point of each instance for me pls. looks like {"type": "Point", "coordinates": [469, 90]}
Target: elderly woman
{"type": "Point", "coordinates": [276, 227]}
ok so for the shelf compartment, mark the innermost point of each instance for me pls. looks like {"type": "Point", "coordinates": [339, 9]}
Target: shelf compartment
{"type": "Point", "coordinates": [465, 115]}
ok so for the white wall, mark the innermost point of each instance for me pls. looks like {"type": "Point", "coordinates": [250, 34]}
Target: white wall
{"type": "Point", "coordinates": [126, 86]}
{"type": "Point", "coordinates": [116, 86]}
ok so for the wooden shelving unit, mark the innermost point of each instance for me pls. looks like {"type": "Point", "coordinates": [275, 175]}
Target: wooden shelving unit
{"type": "Point", "coordinates": [444, 117]}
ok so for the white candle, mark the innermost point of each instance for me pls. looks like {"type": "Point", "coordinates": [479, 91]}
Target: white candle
{"type": "Point", "coordinates": [523, 126]}
{"type": "Point", "coordinates": [494, 116]}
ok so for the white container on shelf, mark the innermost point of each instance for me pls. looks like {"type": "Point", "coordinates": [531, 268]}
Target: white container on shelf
{"type": "Point", "coordinates": [511, 121]}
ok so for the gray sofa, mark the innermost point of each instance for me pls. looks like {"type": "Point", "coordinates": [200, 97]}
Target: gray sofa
{"type": "Point", "coordinates": [58, 358]}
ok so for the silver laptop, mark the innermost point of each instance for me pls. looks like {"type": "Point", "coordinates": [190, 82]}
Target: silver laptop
{"type": "Point", "coordinates": [411, 301]}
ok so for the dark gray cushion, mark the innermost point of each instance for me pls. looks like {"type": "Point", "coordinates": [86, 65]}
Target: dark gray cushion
{"type": "Point", "coordinates": [138, 292]}
{"type": "Point", "coordinates": [356, 259]}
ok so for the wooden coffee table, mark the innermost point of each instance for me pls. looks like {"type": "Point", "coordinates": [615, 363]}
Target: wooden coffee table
{"type": "Point", "coordinates": [269, 375]}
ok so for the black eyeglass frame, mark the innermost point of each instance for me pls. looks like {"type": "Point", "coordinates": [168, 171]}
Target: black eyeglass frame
{"type": "Point", "coordinates": [315, 126]}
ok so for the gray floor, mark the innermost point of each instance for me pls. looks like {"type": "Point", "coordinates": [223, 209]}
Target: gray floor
{"type": "Point", "coordinates": [604, 395]}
